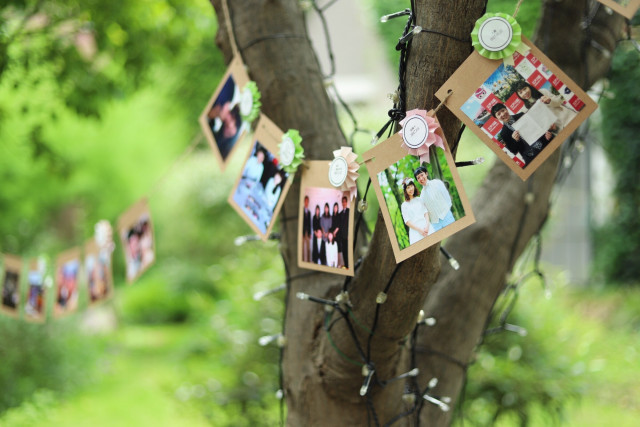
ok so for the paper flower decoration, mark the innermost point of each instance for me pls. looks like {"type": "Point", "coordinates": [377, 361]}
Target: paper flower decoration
{"type": "Point", "coordinates": [291, 151]}
{"type": "Point", "coordinates": [419, 133]}
{"type": "Point", "coordinates": [250, 102]}
{"type": "Point", "coordinates": [343, 171]}
{"type": "Point", "coordinates": [496, 35]}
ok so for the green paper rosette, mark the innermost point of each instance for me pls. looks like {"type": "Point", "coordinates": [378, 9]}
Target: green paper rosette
{"type": "Point", "coordinates": [496, 35]}
{"type": "Point", "coordinates": [250, 102]}
{"type": "Point", "coordinates": [291, 151]}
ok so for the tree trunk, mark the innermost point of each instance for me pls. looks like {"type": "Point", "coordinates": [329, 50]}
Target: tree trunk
{"type": "Point", "coordinates": [322, 373]}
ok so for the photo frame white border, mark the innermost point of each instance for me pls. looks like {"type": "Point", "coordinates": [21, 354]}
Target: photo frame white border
{"type": "Point", "coordinates": [474, 71]}
{"type": "Point", "coordinates": [237, 70]}
{"type": "Point", "coordinates": [389, 152]}
{"type": "Point", "coordinates": [269, 135]}
{"type": "Point", "coordinates": [315, 174]}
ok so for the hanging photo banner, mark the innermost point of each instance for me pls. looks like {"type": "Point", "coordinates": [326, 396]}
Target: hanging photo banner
{"type": "Point", "coordinates": [626, 8]}
{"type": "Point", "coordinates": [138, 241]}
{"type": "Point", "coordinates": [11, 285]}
{"type": "Point", "coordinates": [421, 202]}
{"type": "Point", "coordinates": [291, 153]}
{"type": "Point", "coordinates": [263, 183]}
{"type": "Point", "coordinates": [523, 112]}
{"type": "Point", "coordinates": [35, 303]}
{"type": "Point", "coordinates": [325, 234]}
{"type": "Point", "coordinates": [419, 133]}
{"type": "Point", "coordinates": [97, 270]}
{"type": "Point", "coordinates": [230, 111]}
{"type": "Point", "coordinates": [343, 171]}
{"type": "Point", "coordinates": [67, 277]}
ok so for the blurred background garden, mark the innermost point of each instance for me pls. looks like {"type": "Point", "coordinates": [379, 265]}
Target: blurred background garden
{"type": "Point", "coordinates": [98, 101]}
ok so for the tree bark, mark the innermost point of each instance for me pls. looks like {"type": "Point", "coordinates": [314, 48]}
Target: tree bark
{"type": "Point", "coordinates": [321, 384]}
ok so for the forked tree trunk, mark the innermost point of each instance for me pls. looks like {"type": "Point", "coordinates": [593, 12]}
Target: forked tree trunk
{"type": "Point", "coordinates": [321, 385]}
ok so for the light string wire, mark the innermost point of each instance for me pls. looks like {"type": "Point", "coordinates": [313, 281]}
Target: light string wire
{"type": "Point", "coordinates": [347, 315]}
{"type": "Point", "coordinates": [570, 151]}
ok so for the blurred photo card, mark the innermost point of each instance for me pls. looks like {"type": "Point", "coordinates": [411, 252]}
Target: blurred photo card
{"type": "Point", "coordinates": [422, 202]}
{"type": "Point", "coordinates": [626, 8]}
{"type": "Point", "coordinates": [325, 231]}
{"type": "Point", "coordinates": [67, 278]}
{"type": "Point", "coordinates": [138, 241]}
{"type": "Point", "coordinates": [224, 119]}
{"type": "Point", "coordinates": [11, 285]}
{"type": "Point", "coordinates": [97, 270]}
{"type": "Point", "coordinates": [522, 112]}
{"type": "Point", "coordinates": [263, 183]}
{"type": "Point", "coordinates": [35, 304]}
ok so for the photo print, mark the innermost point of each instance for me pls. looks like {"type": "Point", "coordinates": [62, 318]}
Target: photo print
{"type": "Point", "coordinates": [626, 8]}
{"type": "Point", "coordinates": [263, 184]}
{"type": "Point", "coordinates": [522, 112]}
{"type": "Point", "coordinates": [67, 278]}
{"type": "Point", "coordinates": [325, 231]}
{"type": "Point", "coordinates": [138, 242]}
{"type": "Point", "coordinates": [35, 304]}
{"type": "Point", "coordinates": [221, 121]}
{"type": "Point", "coordinates": [421, 202]}
{"type": "Point", "coordinates": [97, 268]}
{"type": "Point", "coordinates": [11, 285]}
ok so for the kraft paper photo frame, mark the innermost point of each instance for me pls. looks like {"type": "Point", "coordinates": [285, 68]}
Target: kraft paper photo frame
{"type": "Point", "coordinates": [67, 282]}
{"type": "Point", "coordinates": [138, 239]}
{"type": "Point", "coordinates": [10, 303]}
{"type": "Point", "coordinates": [97, 271]}
{"type": "Point", "coordinates": [263, 184]}
{"type": "Point", "coordinates": [491, 99]}
{"type": "Point", "coordinates": [318, 247]}
{"type": "Point", "coordinates": [35, 305]}
{"type": "Point", "coordinates": [393, 171]}
{"type": "Point", "coordinates": [626, 8]}
{"type": "Point", "coordinates": [220, 120]}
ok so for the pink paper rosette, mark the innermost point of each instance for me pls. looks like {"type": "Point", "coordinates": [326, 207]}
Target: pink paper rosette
{"type": "Point", "coordinates": [419, 133]}
{"type": "Point", "coordinates": [343, 171]}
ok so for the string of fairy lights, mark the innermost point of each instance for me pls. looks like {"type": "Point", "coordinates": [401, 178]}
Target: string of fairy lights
{"type": "Point", "coordinates": [340, 309]}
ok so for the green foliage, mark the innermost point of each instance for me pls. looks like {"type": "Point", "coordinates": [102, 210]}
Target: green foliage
{"type": "Point", "coordinates": [36, 357]}
{"type": "Point", "coordinates": [617, 242]}
{"type": "Point", "coordinates": [149, 302]}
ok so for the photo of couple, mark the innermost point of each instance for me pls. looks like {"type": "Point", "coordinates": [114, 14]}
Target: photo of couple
{"type": "Point", "coordinates": [221, 121]}
{"type": "Point", "coordinates": [422, 199]}
{"type": "Point", "coordinates": [422, 202]}
{"type": "Point", "coordinates": [522, 108]}
{"type": "Point", "coordinates": [325, 227]}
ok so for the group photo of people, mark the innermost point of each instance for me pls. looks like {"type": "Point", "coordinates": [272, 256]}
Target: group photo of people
{"type": "Point", "coordinates": [67, 275]}
{"type": "Point", "coordinates": [223, 120]}
{"type": "Point", "coordinates": [138, 245]}
{"type": "Point", "coordinates": [522, 108]}
{"type": "Point", "coordinates": [421, 198]}
{"type": "Point", "coordinates": [325, 227]}
{"type": "Point", "coordinates": [260, 187]}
